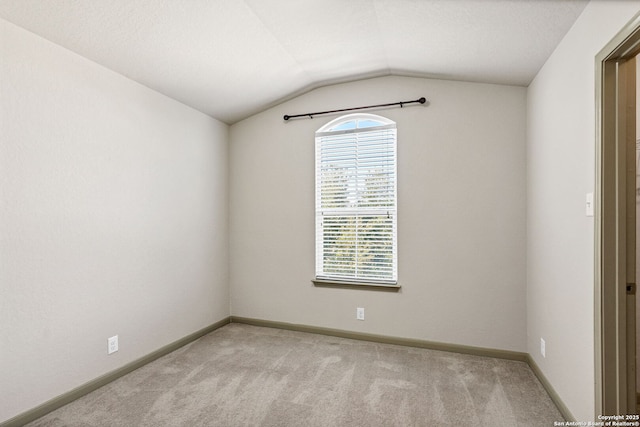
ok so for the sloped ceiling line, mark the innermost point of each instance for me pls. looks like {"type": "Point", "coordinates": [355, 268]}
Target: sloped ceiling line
{"type": "Point", "coordinates": [233, 58]}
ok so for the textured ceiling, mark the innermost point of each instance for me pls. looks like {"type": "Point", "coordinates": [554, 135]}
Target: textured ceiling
{"type": "Point", "coordinates": [233, 58]}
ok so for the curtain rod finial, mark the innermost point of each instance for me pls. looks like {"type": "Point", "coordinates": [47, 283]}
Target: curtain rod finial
{"type": "Point", "coordinates": [422, 100]}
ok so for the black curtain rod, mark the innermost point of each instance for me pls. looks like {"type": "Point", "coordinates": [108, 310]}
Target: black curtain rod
{"type": "Point", "coordinates": [401, 104]}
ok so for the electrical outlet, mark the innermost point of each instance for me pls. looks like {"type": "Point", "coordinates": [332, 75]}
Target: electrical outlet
{"type": "Point", "coordinates": [542, 347]}
{"type": "Point", "coordinates": [112, 344]}
{"type": "Point", "coordinates": [360, 313]}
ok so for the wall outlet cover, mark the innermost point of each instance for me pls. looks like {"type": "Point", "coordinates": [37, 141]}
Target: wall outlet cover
{"type": "Point", "coordinates": [112, 344]}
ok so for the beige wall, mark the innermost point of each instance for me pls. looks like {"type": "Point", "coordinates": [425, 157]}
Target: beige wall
{"type": "Point", "coordinates": [113, 220]}
{"type": "Point", "coordinates": [560, 238]}
{"type": "Point", "coordinates": [461, 215]}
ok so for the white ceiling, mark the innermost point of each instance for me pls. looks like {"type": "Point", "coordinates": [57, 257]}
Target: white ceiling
{"type": "Point", "coordinates": [233, 58]}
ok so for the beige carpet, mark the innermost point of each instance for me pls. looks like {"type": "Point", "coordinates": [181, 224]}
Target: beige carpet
{"type": "Point", "coordinates": [242, 375]}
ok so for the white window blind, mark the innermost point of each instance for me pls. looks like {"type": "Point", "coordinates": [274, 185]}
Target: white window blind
{"type": "Point", "coordinates": [356, 210]}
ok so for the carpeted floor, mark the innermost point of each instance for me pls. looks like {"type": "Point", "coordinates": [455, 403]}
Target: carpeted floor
{"type": "Point", "coordinates": [242, 375]}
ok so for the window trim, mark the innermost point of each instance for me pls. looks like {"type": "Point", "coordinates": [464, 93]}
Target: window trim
{"type": "Point", "coordinates": [357, 282]}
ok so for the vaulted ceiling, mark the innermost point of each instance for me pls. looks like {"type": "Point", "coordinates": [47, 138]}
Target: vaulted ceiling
{"type": "Point", "coordinates": [233, 58]}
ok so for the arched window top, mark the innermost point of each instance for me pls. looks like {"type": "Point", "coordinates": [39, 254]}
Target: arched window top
{"type": "Point", "coordinates": [356, 123]}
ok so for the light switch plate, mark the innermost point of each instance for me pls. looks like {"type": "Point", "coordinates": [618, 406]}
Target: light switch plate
{"type": "Point", "coordinates": [589, 205]}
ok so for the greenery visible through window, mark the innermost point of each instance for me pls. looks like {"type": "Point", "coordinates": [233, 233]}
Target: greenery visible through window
{"type": "Point", "coordinates": [356, 211]}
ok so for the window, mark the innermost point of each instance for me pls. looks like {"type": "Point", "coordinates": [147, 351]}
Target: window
{"type": "Point", "coordinates": [356, 209]}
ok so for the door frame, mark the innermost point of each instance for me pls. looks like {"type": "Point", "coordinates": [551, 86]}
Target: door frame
{"type": "Point", "coordinates": [613, 249]}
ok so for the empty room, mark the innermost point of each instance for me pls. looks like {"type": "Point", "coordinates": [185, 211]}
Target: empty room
{"type": "Point", "coordinates": [317, 212]}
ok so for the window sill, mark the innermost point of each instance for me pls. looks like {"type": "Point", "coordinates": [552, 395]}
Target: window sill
{"type": "Point", "coordinates": [355, 285]}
